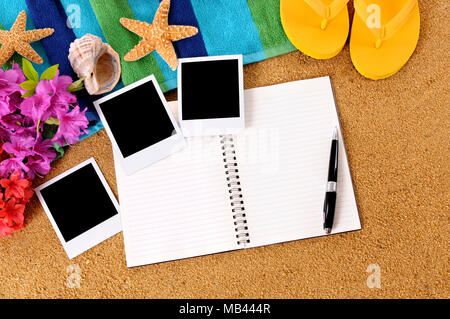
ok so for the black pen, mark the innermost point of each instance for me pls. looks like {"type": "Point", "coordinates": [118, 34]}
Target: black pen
{"type": "Point", "coordinates": [329, 204]}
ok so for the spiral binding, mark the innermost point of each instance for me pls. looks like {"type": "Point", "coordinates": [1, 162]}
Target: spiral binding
{"type": "Point", "coordinates": [234, 190]}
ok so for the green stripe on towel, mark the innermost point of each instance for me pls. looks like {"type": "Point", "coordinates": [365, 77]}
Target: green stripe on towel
{"type": "Point", "coordinates": [266, 15]}
{"type": "Point", "coordinates": [122, 40]}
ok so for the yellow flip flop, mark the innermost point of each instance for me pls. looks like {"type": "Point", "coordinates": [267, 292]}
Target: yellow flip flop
{"type": "Point", "coordinates": [318, 28]}
{"type": "Point", "coordinates": [384, 36]}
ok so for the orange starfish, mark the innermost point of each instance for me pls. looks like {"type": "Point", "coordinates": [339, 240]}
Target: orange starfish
{"type": "Point", "coordinates": [18, 40]}
{"type": "Point", "coordinates": [157, 36]}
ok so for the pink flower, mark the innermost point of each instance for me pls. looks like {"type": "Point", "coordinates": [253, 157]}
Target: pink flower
{"type": "Point", "coordinates": [38, 165]}
{"type": "Point", "coordinates": [50, 99]}
{"type": "Point", "coordinates": [61, 96]}
{"type": "Point", "coordinates": [71, 126]}
{"type": "Point", "coordinates": [10, 80]}
{"type": "Point", "coordinates": [10, 90]}
{"type": "Point", "coordinates": [5, 106]}
{"type": "Point", "coordinates": [11, 165]}
{"type": "Point", "coordinates": [37, 106]}
{"type": "Point", "coordinates": [10, 121]}
{"type": "Point", "coordinates": [57, 90]}
{"type": "Point", "coordinates": [20, 146]}
{"type": "Point", "coordinates": [23, 123]}
{"type": "Point", "coordinates": [45, 149]}
{"type": "Point", "coordinates": [4, 134]}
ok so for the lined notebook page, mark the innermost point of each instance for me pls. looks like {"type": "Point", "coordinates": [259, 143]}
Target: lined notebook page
{"type": "Point", "coordinates": [283, 162]}
{"type": "Point", "coordinates": [177, 207]}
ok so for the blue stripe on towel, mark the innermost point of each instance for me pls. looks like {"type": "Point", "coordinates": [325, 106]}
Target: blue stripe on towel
{"type": "Point", "coordinates": [182, 13]}
{"type": "Point", "coordinates": [8, 14]}
{"type": "Point", "coordinates": [51, 14]}
{"type": "Point", "coordinates": [88, 22]}
{"type": "Point", "coordinates": [228, 28]}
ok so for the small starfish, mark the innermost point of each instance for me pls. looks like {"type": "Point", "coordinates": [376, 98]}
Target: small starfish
{"type": "Point", "coordinates": [18, 40]}
{"type": "Point", "coordinates": [157, 36]}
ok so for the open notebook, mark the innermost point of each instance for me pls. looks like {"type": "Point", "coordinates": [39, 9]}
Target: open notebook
{"type": "Point", "coordinates": [195, 202]}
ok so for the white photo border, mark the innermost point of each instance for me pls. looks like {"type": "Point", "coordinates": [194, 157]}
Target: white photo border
{"type": "Point", "coordinates": [152, 153]}
{"type": "Point", "coordinates": [214, 126]}
{"type": "Point", "coordinates": [93, 236]}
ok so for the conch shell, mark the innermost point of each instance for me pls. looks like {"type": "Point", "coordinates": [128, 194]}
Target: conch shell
{"type": "Point", "coordinates": [97, 62]}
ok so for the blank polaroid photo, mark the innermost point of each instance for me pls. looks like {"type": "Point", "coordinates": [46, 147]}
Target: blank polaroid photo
{"type": "Point", "coordinates": [140, 125]}
{"type": "Point", "coordinates": [81, 207]}
{"type": "Point", "coordinates": [221, 78]}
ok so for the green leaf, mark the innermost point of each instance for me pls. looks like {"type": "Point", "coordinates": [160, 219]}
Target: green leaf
{"type": "Point", "coordinates": [37, 126]}
{"type": "Point", "coordinates": [59, 150]}
{"type": "Point", "coordinates": [52, 121]}
{"type": "Point", "coordinates": [29, 93]}
{"type": "Point", "coordinates": [28, 85]}
{"type": "Point", "coordinates": [76, 86]}
{"type": "Point", "coordinates": [49, 131]}
{"type": "Point", "coordinates": [29, 71]}
{"type": "Point", "coordinates": [7, 66]}
{"type": "Point", "coordinates": [50, 73]}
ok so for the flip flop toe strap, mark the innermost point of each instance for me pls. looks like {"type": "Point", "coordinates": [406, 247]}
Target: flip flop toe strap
{"type": "Point", "coordinates": [327, 12]}
{"type": "Point", "coordinates": [383, 32]}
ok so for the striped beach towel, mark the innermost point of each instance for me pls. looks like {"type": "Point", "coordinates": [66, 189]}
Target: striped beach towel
{"type": "Point", "coordinates": [248, 27]}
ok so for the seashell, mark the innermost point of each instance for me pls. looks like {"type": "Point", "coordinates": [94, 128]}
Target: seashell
{"type": "Point", "coordinates": [97, 61]}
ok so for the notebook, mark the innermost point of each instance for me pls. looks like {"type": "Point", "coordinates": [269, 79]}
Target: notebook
{"type": "Point", "coordinates": [223, 193]}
